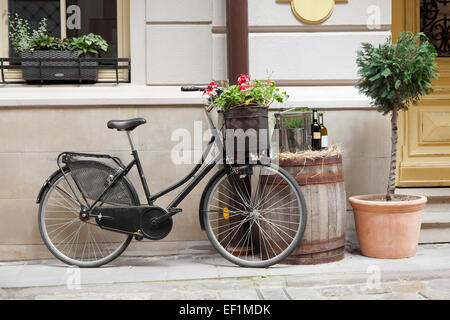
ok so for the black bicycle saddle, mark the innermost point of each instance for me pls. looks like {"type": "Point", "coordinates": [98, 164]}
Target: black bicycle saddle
{"type": "Point", "coordinates": [126, 125]}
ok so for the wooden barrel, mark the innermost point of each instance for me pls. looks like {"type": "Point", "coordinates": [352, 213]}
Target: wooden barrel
{"type": "Point", "coordinates": [322, 183]}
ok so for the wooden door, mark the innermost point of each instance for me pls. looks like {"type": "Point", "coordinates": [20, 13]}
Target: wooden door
{"type": "Point", "coordinates": [424, 130]}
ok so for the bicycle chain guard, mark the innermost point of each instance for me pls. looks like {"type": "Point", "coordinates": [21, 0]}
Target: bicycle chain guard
{"type": "Point", "coordinates": [138, 221]}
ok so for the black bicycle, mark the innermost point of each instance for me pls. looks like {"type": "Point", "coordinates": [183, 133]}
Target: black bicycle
{"type": "Point", "coordinates": [253, 214]}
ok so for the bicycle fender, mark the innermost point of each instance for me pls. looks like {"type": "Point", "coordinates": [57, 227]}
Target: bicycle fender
{"type": "Point", "coordinates": [202, 199]}
{"type": "Point", "coordinates": [66, 168]}
{"type": "Point", "coordinates": [47, 184]}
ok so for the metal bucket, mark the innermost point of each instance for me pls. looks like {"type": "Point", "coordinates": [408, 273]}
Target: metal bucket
{"type": "Point", "coordinates": [296, 140]}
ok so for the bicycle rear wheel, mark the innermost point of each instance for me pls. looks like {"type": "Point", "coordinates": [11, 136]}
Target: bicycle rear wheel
{"type": "Point", "coordinates": [267, 232]}
{"type": "Point", "coordinates": [71, 238]}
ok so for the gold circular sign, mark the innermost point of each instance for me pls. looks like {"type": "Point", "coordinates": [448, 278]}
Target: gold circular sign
{"type": "Point", "coordinates": [312, 11]}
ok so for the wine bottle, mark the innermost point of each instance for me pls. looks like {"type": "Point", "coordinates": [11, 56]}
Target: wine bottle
{"type": "Point", "coordinates": [323, 133]}
{"type": "Point", "coordinates": [315, 132]}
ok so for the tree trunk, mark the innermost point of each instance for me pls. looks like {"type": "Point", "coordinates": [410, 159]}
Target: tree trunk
{"type": "Point", "coordinates": [393, 167]}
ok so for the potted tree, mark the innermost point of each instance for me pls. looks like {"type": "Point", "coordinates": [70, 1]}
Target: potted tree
{"type": "Point", "coordinates": [245, 107]}
{"type": "Point", "coordinates": [42, 49]}
{"type": "Point", "coordinates": [394, 76]}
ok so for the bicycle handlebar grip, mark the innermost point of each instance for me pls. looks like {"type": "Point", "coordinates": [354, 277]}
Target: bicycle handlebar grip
{"type": "Point", "coordinates": [191, 89]}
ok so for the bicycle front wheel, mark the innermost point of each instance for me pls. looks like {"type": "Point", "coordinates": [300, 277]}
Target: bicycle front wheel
{"type": "Point", "coordinates": [266, 231]}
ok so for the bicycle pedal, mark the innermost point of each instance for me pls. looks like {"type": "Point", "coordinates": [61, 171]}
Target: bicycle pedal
{"type": "Point", "coordinates": [175, 210]}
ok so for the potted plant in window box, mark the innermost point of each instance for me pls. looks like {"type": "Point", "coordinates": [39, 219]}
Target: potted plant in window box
{"type": "Point", "coordinates": [245, 107]}
{"type": "Point", "coordinates": [394, 76]}
{"type": "Point", "coordinates": [42, 46]}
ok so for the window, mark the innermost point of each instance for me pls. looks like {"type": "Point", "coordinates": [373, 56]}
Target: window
{"type": "Point", "coordinates": [73, 18]}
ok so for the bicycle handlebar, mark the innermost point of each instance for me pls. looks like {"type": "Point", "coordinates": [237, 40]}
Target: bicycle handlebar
{"type": "Point", "coordinates": [190, 89]}
{"type": "Point", "coordinates": [193, 88]}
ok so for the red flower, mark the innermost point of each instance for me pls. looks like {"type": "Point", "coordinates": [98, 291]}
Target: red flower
{"type": "Point", "coordinates": [243, 79]}
{"type": "Point", "coordinates": [245, 88]}
{"type": "Point", "coordinates": [244, 83]}
{"type": "Point", "coordinates": [269, 82]}
{"type": "Point", "coordinates": [211, 90]}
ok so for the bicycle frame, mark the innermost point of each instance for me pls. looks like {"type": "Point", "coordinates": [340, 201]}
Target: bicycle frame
{"type": "Point", "coordinates": [124, 170]}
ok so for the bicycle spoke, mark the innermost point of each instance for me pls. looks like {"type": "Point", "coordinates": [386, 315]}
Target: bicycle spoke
{"type": "Point", "coordinates": [67, 224]}
{"type": "Point", "coordinates": [282, 221]}
{"type": "Point", "coordinates": [253, 200]}
{"type": "Point", "coordinates": [235, 232]}
{"type": "Point", "coordinates": [266, 236]}
{"type": "Point", "coordinates": [59, 204]}
{"type": "Point", "coordinates": [263, 199]}
{"type": "Point", "coordinates": [273, 196]}
{"type": "Point", "coordinates": [288, 203]}
{"type": "Point", "coordinates": [231, 230]}
{"type": "Point", "coordinates": [279, 228]}
{"type": "Point", "coordinates": [67, 196]}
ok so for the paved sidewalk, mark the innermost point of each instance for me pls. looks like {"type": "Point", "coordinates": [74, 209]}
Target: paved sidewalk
{"type": "Point", "coordinates": [425, 276]}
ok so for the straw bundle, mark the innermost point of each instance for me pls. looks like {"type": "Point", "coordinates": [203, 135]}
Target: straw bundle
{"type": "Point", "coordinates": [332, 151]}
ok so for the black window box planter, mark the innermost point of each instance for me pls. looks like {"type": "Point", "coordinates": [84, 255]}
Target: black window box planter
{"type": "Point", "coordinates": [51, 66]}
{"type": "Point", "coordinates": [58, 65]}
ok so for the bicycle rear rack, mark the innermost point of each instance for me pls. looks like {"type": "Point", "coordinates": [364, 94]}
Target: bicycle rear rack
{"type": "Point", "coordinates": [67, 157]}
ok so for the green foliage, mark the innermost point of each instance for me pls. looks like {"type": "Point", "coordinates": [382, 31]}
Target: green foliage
{"type": "Point", "coordinates": [42, 40]}
{"type": "Point", "coordinates": [23, 39]}
{"type": "Point", "coordinates": [90, 43]}
{"type": "Point", "coordinates": [48, 42]}
{"type": "Point", "coordinates": [295, 123]}
{"type": "Point", "coordinates": [397, 74]}
{"type": "Point", "coordinates": [19, 34]}
{"type": "Point", "coordinates": [249, 93]}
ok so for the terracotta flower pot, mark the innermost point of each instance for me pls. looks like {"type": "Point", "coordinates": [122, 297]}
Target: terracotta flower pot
{"type": "Point", "coordinates": [388, 230]}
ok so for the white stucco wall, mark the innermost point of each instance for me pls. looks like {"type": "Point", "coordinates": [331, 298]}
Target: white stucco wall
{"type": "Point", "coordinates": [186, 40]}
{"type": "Point", "coordinates": [173, 43]}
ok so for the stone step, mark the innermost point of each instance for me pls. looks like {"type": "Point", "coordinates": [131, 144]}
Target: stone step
{"type": "Point", "coordinates": [427, 192]}
{"type": "Point", "coordinates": [436, 220]}
{"type": "Point", "coordinates": [434, 235]}
{"type": "Point", "coordinates": [436, 212]}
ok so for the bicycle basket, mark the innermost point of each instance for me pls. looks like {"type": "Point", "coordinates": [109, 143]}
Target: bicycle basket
{"type": "Point", "coordinates": [92, 179]}
{"type": "Point", "coordinates": [253, 137]}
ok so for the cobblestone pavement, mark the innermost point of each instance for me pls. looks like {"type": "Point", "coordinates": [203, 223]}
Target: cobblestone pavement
{"type": "Point", "coordinates": [426, 276]}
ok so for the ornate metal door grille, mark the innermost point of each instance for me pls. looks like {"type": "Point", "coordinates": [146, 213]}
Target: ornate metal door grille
{"type": "Point", "coordinates": [435, 23]}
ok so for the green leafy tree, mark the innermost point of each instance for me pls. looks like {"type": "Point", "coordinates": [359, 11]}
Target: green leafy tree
{"type": "Point", "coordinates": [396, 76]}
